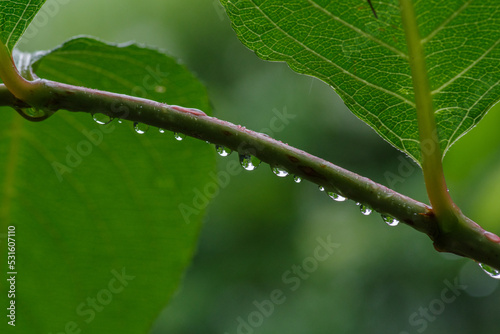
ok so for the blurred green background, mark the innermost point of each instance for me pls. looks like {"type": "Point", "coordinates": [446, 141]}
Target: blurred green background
{"type": "Point", "coordinates": [380, 279]}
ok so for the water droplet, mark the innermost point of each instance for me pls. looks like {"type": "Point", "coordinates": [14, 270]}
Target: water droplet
{"type": "Point", "coordinates": [140, 128]}
{"type": "Point", "coordinates": [364, 209]}
{"type": "Point", "coordinates": [33, 112]}
{"type": "Point", "coordinates": [336, 197]}
{"type": "Point", "coordinates": [391, 221]}
{"type": "Point", "coordinates": [490, 271]}
{"type": "Point", "coordinates": [249, 162]}
{"type": "Point", "coordinates": [321, 188]}
{"type": "Point", "coordinates": [179, 136]}
{"type": "Point", "coordinates": [280, 172]}
{"type": "Point", "coordinates": [297, 179]}
{"type": "Point", "coordinates": [120, 121]}
{"type": "Point", "coordinates": [223, 151]}
{"type": "Point", "coordinates": [161, 130]}
{"type": "Point", "coordinates": [101, 119]}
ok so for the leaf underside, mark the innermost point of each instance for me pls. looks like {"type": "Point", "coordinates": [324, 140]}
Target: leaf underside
{"type": "Point", "coordinates": [365, 59]}
{"type": "Point", "coordinates": [15, 16]}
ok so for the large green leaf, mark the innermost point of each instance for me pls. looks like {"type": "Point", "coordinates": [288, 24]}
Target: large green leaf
{"type": "Point", "coordinates": [92, 202]}
{"type": "Point", "coordinates": [365, 59]}
{"type": "Point", "coordinates": [15, 16]}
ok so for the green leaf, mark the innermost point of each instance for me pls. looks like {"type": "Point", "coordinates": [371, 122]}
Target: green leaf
{"type": "Point", "coordinates": [15, 16]}
{"type": "Point", "coordinates": [366, 60]}
{"type": "Point", "coordinates": [92, 202]}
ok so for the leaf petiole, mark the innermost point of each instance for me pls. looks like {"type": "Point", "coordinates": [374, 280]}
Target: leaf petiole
{"type": "Point", "coordinates": [437, 191]}
{"type": "Point", "coordinates": [21, 88]}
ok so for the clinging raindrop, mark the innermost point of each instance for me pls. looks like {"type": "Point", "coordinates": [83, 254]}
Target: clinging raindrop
{"type": "Point", "coordinates": [249, 162]}
{"type": "Point", "coordinates": [101, 118]}
{"type": "Point", "coordinates": [140, 128]}
{"type": "Point", "coordinates": [32, 113]}
{"type": "Point", "coordinates": [223, 151]}
{"type": "Point", "coordinates": [490, 271]}
{"type": "Point", "coordinates": [179, 136]}
{"type": "Point", "coordinates": [391, 221]}
{"type": "Point", "coordinates": [297, 179]}
{"type": "Point", "coordinates": [364, 209]}
{"type": "Point", "coordinates": [336, 197]}
{"type": "Point", "coordinates": [279, 172]}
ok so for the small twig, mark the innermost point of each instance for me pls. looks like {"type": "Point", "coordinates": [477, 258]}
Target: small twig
{"type": "Point", "coordinates": [471, 241]}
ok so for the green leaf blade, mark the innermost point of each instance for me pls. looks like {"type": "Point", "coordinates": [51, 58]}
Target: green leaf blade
{"type": "Point", "coordinates": [464, 71]}
{"type": "Point", "coordinates": [118, 204]}
{"type": "Point", "coordinates": [15, 16]}
{"type": "Point", "coordinates": [366, 60]}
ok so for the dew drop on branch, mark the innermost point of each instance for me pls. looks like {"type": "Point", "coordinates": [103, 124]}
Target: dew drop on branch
{"type": "Point", "coordinates": [336, 197]}
{"type": "Point", "coordinates": [279, 172]}
{"type": "Point", "coordinates": [364, 209]}
{"type": "Point", "coordinates": [33, 112]}
{"type": "Point", "coordinates": [223, 151]}
{"type": "Point", "coordinates": [249, 162]}
{"type": "Point", "coordinates": [389, 220]}
{"type": "Point", "coordinates": [179, 136]}
{"type": "Point", "coordinates": [140, 128]}
{"type": "Point", "coordinates": [321, 188]}
{"type": "Point", "coordinates": [490, 271]}
{"type": "Point", "coordinates": [101, 119]}
{"type": "Point", "coordinates": [160, 130]}
{"type": "Point", "coordinates": [297, 179]}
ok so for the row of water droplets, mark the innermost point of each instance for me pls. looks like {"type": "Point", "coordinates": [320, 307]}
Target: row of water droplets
{"type": "Point", "coordinates": [250, 163]}
{"type": "Point", "coordinates": [140, 128]}
{"type": "Point", "coordinates": [365, 210]}
{"type": "Point", "coordinates": [247, 161]}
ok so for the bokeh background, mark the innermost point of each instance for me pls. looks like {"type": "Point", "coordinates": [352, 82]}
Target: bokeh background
{"type": "Point", "coordinates": [380, 279]}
